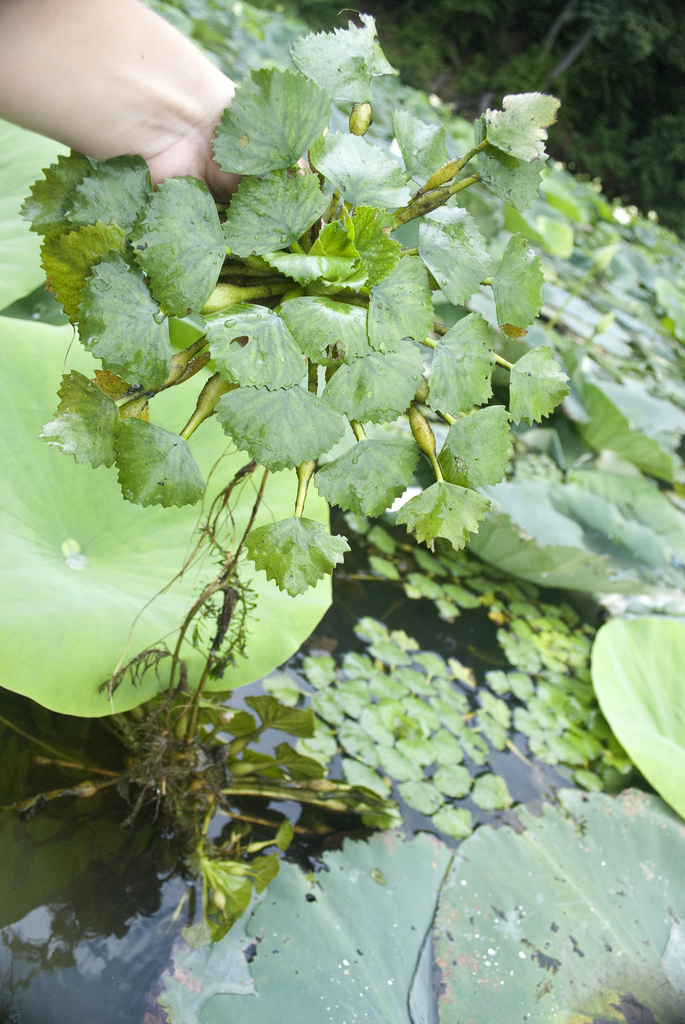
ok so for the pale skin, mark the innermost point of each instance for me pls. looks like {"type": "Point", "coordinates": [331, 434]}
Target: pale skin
{"type": "Point", "coordinates": [111, 77]}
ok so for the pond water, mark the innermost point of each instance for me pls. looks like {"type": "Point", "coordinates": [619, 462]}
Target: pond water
{"type": "Point", "coordinates": [89, 910]}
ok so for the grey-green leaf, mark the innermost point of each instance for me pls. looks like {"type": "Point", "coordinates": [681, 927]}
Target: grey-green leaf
{"type": "Point", "coordinates": [521, 124]}
{"type": "Point", "coordinates": [296, 553]}
{"type": "Point", "coordinates": [363, 173]}
{"type": "Point", "coordinates": [119, 323]}
{"type": "Point", "coordinates": [454, 251]}
{"type": "Point", "coordinates": [116, 190]}
{"type": "Point", "coordinates": [156, 466]}
{"type": "Point", "coordinates": [308, 426]}
{"type": "Point", "coordinates": [537, 385]}
{"type": "Point", "coordinates": [270, 358]}
{"type": "Point", "coordinates": [462, 367]}
{"type": "Point", "coordinates": [401, 306]}
{"type": "Point", "coordinates": [422, 145]}
{"type": "Point", "coordinates": [443, 510]}
{"type": "Point", "coordinates": [344, 61]}
{"type": "Point", "coordinates": [477, 448]}
{"type": "Point", "coordinates": [326, 331]}
{"type": "Point", "coordinates": [517, 285]}
{"type": "Point", "coordinates": [515, 181]}
{"type": "Point", "coordinates": [369, 476]}
{"type": "Point", "coordinates": [272, 211]}
{"type": "Point", "coordinates": [375, 388]}
{"type": "Point", "coordinates": [274, 118]}
{"type": "Point", "coordinates": [179, 244]}
{"type": "Point", "coordinates": [46, 207]}
{"type": "Point", "coordinates": [85, 423]}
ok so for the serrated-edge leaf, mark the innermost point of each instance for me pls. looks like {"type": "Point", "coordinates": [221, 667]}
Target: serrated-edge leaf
{"type": "Point", "coordinates": [444, 510]}
{"type": "Point", "coordinates": [179, 244]}
{"type": "Point", "coordinates": [296, 553]}
{"type": "Point", "coordinates": [537, 385]}
{"type": "Point", "coordinates": [454, 251]}
{"type": "Point", "coordinates": [517, 182]}
{"type": "Point", "coordinates": [462, 366]}
{"type": "Point", "coordinates": [517, 284]}
{"type": "Point", "coordinates": [343, 61]}
{"type": "Point", "coordinates": [376, 388]}
{"type": "Point", "coordinates": [272, 211]}
{"type": "Point", "coordinates": [85, 423]}
{"type": "Point", "coordinates": [422, 145]}
{"type": "Point", "coordinates": [307, 425]}
{"type": "Point", "coordinates": [400, 306]}
{"type": "Point", "coordinates": [68, 260]}
{"type": "Point", "coordinates": [118, 323]}
{"type": "Point", "coordinates": [156, 466]}
{"type": "Point", "coordinates": [115, 190]}
{"type": "Point", "coordinates": [378, 251]}
{"type": "Point", "coordinates": [274, 118]}
{"type": "Point", "coordinates": [270, 358]}
{"type": "Point", "coordinates": [521, 123]}
{"type": "Point", "coordinates": [325, 330]}
{"type": "Point", "coordinates": [477, 448]}
{"type": "Point", "coordinates": [46, 207]}
{"type": "Point", "coordinates": [368, 477]}
{"type": "Point", "coordinates": [364, 174]}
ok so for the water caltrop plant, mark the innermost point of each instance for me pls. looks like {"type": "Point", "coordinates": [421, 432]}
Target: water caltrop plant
{"type": "Point", "coordinates": [307, 319]}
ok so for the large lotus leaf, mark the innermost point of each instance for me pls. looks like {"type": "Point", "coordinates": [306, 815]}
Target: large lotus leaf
{"type": "Point", "coordinates": [573, 917]}
{"type": "Point", "coordinates": [22, 155]}
{"type": "Point", "coordinates": [341, 945]}
{"type": "Point", "coordinates": [79, 564]}
{"type": "Point", "coordinates": [637, 676]}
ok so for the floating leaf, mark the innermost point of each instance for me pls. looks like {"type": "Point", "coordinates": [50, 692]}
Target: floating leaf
{"type": "Point", "coordinates": [179, 244]}
{"type": "Point", "coordinates": [369, 476]}
{"type": "Point", "coordinates": [270, 358]}
{"type": "Point", "coordinates": [69, 259]}
{"type": "Point", "coordinates": [454, 251]}
{"type": "Point", "coordinates": [636, 673]}
{"type": "Point", "coordinates": [462, 366]}
{"type": "Point", "coordinates": [422, 796]}
{"type": "Point", "coordinates": [521, 124]}
{"type": "Point", "coordinates": [119, 323]}
{"type": "Point", "coordinates": [156, 466]}
{"type": "Point", "coordinates": [114, 191]}
{"type": "Point", "coordinates": [85, 422]}
{"type": "Point", "coordinates": [325, 330]}
{"type": "Point", "coordinates": [453, 780]}
{"type": "Point", "coordinates": [536, 386]}
{"type": "Point", "coordinates": [272, 211]}
{"type": "Point", "coordinates": [490, 792]}
{"type": "Point", "coordinates": [274, 118]}
{"type": "Point", "coordinates": [308, 426]}
{"type": "Point", "coordinates": [477, 448]}
{"type": "Point", "coordinates": [422, 145]}
{"type": "Point", "coordinates": [374, 388]}
{"type": "Point", "coordinates": [296, 553]}
{"type": "Point", "coordinates": [517, 286]}
{"type": "Point", "coordinates": [400, 306]}
{"type": "Point", "coordinates": [443, 510]}
{"type": "Point", "coordinates": [613, 954]}
{"type": "Point", "coordinates": [46, 207]}
{"type": "Point", "coordinates": [453, 821]}
{"type": "Point", "coordinates": [515, 181]}
{"type": "Point", "coordinates": [363, 173]}
{"type": "Point", "coordinates": [344, 61]}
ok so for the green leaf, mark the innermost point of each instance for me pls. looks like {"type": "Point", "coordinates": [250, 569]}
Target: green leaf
{"type": "Point", "coordinates": [477, 448]}
{"type": "Point", "coordinates": [296, 553]}
{"type": "Point", "coordinates": [453, 780]}
{"type": "Point", "coordinates": [490, 793]}
{"type": "Point", "coordinates": [326, 331]}
{"type": "Point", "coordinates": [85, 423]}
{"type": "Point", "coordinates": [443, 510]}
{"type": "Point", "coordinates": [401, 306]}
{"type": "Point", "coordinates": [344, 61]}
{"type": "Point", "coordinates": [114, 598]}
{"type": "Point", "coordinates": [454, 251]}
{"type": "Point", "coordinates": [156, 466]}
{"type": "Point", "coordinates": [272, 211]}
{"type": "Point", "coordinates": [376, 388]}
{"type": "Point", "coordinates": [332, 257]}
{"type": "Point", "coordinates": [119, 323]}
{"type": "Point", "coordinates": [537, 385]}
{"type": "Point", "coordinates": [179, 244]}
{"type": "Point", "coordinates": [114, 191]}
{"type": "Point", "coordinates": [515, 181]}
{"type": "Point", "coordinates": [358, 774]}
{"type": "Point", "coordinates": [308, 426]}
{"type": "Point", "coordinates": [46, 207]}
{"type": "Point", "coordinates": [521, 124]}
{"type": "Point", "coordinates": [454, 822]}
{"type": "Point", "coordinates": [270, 358]}
{"type": "Point", "coordinates": [363, 173]}
{"type": "Point", "coordinates": [68, 260]}
{"type": "Point", "coordinates": [369, 476]}
{"type": "Point", "coordinates": [294, 721]}
{"type": "Point", "coordinates": [636, 673]}
{"type": "Point", "coordinates": [422, 796]}
{"type": "Point", "coordinates": [462, 366]}
{"type": "Point", "coordinates": [378, 251]}
{"type": "Point", "coordinates": [422, 145]}
{"type": "Point", "coordinates": [379, 936]}
{"type": "Point", "coordinates": [272, 121]}
{"type": "Point", "coordinates": [517, 285]}
{"type": "Point", "coordinates": [559, 958]}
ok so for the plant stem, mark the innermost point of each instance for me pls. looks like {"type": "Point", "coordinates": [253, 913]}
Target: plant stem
{"type": "Point", "coordinates": [358, 430]}
{"type": "Point", "coordinates": [448, 170]}
{"type": "Point", "coordinates": [429, 201]}
{"type": "Point", "coordinates": [32, 739]}
{"type": "Point", "coordinates": [231, 294]}
{"type": "Point", "coordinates": [305, 472]}
{"type": "Point", "coordinates": [214, 389]}
{"type": "Point", "coordinates": [501, 361]}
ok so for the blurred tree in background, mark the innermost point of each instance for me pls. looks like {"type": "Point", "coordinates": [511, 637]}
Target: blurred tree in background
{"type": "Point", "coordinates": [618, 67]}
